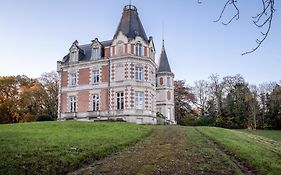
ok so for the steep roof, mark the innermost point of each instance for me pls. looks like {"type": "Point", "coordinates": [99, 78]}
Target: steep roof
{"type": "Point", "coordinates": [85, 51]}
{"type": "Point", "coordinates": [163, 65]}
{"type": "Point", "coordinates": [130, 24]}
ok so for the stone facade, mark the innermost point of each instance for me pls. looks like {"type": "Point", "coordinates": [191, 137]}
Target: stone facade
{"type": "Point", "coordinates": [115, 79]}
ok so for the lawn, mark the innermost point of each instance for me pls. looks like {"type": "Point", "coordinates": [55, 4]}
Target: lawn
{"type": "Point", "coordinates": [261, 154]}
{"type": "Point", "coordinates": [168, 150]}
{"type": "Point", "coordinates": [271, 134]}
{"type": "Point", "coordinates": [60, 147]}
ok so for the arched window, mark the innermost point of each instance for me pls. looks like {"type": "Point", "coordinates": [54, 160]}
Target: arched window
{"type": "Point", "coordinates": [138, 49]}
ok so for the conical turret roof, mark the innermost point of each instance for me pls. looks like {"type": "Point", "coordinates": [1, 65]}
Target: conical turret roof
{"type": "Point", "coordinates": [130, 24]}
{"type": "Point", "coordinates": [163, 65]}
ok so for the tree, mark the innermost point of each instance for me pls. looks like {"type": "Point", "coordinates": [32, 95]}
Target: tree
{"type": "Point", "coordinates": [201, 91]}
{"type": "Point", "coordinates": [238, 107]}
{"type": "Point", "coordinates": [8, 99]}
{"type": "Point", "coordinates": [24, 99]}
{"type": "Point", "coordinates": [183, 100]}
{"type": "Point", "coordinates": [216, 88]}
{"type": "Point", "coordinates": [274, 108]}
{"type": "Point", "coordinates": [264, 91]}
{"type": "Point", "coordinates": [49, 82]}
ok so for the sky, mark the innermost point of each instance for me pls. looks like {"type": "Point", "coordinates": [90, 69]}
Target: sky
{"type": "Point", "coordinates": [34, 35]}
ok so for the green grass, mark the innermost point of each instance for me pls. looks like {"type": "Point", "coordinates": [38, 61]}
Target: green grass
{"type": "Point", "coordinates": [271, 134]}
{"type": "Point", "coordinates": [260, 154]}
{"type": "Point", "coordinates": [60, 147]}
{"type": "Point", "coordinates": [211, 161]}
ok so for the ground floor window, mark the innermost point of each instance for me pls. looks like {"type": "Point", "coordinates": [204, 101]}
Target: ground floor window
{"type": "Point", "coordinates": [120, 100]}
{"type": "Point", "coordinates": [72, 104]}
{"type": "Point", "coordinates": [169, 113]}
{"type": "Point", "coordinates": [139, 100]}
{"type": "Point", "coordinates": [96, 102]}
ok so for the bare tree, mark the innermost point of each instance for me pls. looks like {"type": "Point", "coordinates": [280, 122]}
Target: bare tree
{"type": "Point", "coordinates": [262, 20]}
{"type": "Point", "coordinates": [201, 91]}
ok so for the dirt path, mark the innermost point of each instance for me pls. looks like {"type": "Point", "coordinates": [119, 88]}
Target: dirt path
{"type": "Point", "coordinates": [169, 150]}
{"type": "Point", "coordinates": [244, 168]}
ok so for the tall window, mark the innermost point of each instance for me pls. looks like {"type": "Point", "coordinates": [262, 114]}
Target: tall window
{"type": "Point", "coordinates": [139, 100]}
{"type": "Point", "coordinates": [169, 113]}
{"type": "Point", "coordinates": [96, 53]}
{"type": "Point", "coordinates": [72, 79]}
{"type": "Point", "coordinates": [95, 76]}
{"type": "Point", "coordinates": [138, 49]}
{"type": "Point", "coordinates": [169, 83]}
{"type": "Point", "coordinates": [120, 100]}
{"type": "Point", "coordinates": [139, 73]}
{"type": "Point", "coordinates": [72, 104]}
{"type": "Point", "coordinates": [96, 101]}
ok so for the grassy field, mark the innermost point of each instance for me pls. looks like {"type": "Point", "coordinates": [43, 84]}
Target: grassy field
{"type": "Point", "coordinates": [271, 134]}
{"type": "Point", "coordinates": [59, 147]}
{"type": "Point", "coordinates": [260, 153]}
{"type": "Point", "coordinates": [168, 150]}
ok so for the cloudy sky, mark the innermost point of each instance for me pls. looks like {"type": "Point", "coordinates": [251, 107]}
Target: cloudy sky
{"type": "Point", "coordinates": [34, 35]}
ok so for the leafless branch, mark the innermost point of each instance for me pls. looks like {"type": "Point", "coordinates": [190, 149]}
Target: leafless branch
{"type": "Point", "coordinates": [263, 20]}
{"type": "Point", "coordinates": [235, 16]}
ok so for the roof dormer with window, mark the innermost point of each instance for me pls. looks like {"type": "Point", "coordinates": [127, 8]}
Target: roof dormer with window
{"type": "Point", "coordinates": [74, 52]}
{"type": "Point", "coordinates": [96, 52]}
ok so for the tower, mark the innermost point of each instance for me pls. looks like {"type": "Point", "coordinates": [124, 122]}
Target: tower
{"type": "Point", "coordinates": [165, 88]}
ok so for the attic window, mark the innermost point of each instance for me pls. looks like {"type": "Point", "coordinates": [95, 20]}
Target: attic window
{"type": "Point", "coordinates": [73, 56]}
{"type": "Point", "coordinates": [96, 53]}
{"type": "Point", "coordinates": [138, 49]}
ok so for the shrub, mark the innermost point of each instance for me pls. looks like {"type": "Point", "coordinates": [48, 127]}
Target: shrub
{"type": "Point", "coordinates": [44, 117]}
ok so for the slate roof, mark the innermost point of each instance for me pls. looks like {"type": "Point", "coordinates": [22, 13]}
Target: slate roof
{"type": "Point", "coordinates": [130, 24]}
{"type": "Point", "coordinates": [163, 65]}
{"type": "Point", "coordinates": [85, 51]}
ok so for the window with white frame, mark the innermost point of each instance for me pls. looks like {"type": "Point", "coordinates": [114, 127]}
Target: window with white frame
{"type": "Point", "coordinates": [96, 101]}
{"type": "Point", "coordinates": [73, 56]}
{"type": "Point", "coordinates": [95, 76]}
{"type": "Point", "coordinates": [169, 113]}
{"type": "Point", "coordinates": [72, 104]}
{"type": "Point", "coordinates": [96, 53]}
{"type": "Point", "coordinates": [138, 49]}
{"type": "Point", "coordinates": [120, 100]}
{"type": "Point", "coordinates": [139, 73]}
{"type": "Point", "coordinates": [169, 82]}
{"type": "Point", "coordinates": [139, 99]}
{"type": "Point", "coordinates": [72, 79]}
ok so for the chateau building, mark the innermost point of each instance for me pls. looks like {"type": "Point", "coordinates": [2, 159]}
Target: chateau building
{"type": "Point", "coordinates": [117, 79]}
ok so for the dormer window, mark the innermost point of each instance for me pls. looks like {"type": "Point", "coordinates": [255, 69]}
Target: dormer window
{"type": "Point", "coordinates": [96, 49]}
{"type": "Point", "coordinates": [73, 56]}
{"type": "Point", "coordinates": [96, 53]}
{"type": "Point", "coordinates": [73, 52]}
{"type": "Point", "coordinates": [138, 49]}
